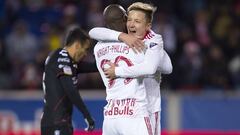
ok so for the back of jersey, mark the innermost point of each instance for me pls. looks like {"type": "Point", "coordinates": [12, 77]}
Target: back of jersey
{"type": "Point", "coordinates": [121, 91]}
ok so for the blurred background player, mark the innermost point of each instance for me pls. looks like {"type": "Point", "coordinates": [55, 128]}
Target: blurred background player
{"type": "Point", "coordinates": [139, 21]}
{"type": "Point", "coordinates": [59, 86]}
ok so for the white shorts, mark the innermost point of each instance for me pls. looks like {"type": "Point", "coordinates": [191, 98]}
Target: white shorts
{"type": "Point", "coordinates": [127, 126]}
{"type": "Point", "coordinates": [155, 122]}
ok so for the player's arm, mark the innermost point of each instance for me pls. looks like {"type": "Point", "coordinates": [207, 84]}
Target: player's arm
{"type": "Point", "coordinates": [152, 59]}
{"type": "Point", "coordinates": [64, 73]}
{"type": "Point", "coordinates": [165, 66]}
{"type": "Point", "coordinates": [73, 95]}
{"type": "Point", "coordinates": [105, 34]}
{"type": "Point", "coordinates": [76, 99]}
{"type": "Point", "coordinates": [86, 67]}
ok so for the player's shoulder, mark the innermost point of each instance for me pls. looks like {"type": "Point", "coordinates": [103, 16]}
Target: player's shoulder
{"type": "Point", "coordinates": [99, 45]}
{"type": "Point", "coordinates": [151, 35]}
{"type": "Point", "coordinates": [154, 40]}
{"type": "Point", "coordinates": [63, 57]}
{"type": "Point", "coordinates": [64, 62]}
{"type": "Point", "coordinates": [60, 57]}
{"type": "Point", "coordinates": [52, 56]}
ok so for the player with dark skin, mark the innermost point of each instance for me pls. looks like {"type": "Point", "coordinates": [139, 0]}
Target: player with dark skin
{"type": "Point", "coordinates": [115, 18]}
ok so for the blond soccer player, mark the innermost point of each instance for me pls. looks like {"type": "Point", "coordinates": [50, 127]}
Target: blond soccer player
{"type": "Point", "coordinates": [156, 60]}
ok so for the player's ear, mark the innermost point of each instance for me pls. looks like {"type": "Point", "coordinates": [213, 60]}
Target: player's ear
{"type": "Point", "coordinates": [149, 26]}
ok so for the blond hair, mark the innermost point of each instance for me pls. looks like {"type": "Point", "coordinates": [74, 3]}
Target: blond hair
{"type": "Point", "coordinates": [148, 9]}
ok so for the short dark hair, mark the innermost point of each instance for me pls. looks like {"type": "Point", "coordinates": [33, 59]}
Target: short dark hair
{"type": "Point", "coordinates": [76, 34]}
{"type": "Point", "coordinates": [115, 17]}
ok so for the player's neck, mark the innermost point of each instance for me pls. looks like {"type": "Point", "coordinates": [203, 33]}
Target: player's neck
{"type": "Point", "coordinates": [70, 50]}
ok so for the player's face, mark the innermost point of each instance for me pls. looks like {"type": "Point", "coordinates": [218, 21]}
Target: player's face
{"type": "Point", "coordinates": [81, 50]}
{"type": "Point", "coordinates": [137, 24]}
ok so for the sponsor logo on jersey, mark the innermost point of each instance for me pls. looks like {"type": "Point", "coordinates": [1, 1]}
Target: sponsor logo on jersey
{"type": "Point", "coordinates": [152, 44]}
{"type": "Point", "coordinates": [63, 60]}
{"type": "Point", "coordinates": [60, 66]}
{"type": "Point", "coordinates": [67, 70]}
{"type": "Point", "coordinates": [63, 53]}
{"type": "Point", "coordinates": [120, 107]}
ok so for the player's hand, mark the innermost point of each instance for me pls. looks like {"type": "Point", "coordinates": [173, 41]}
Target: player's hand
{"type": "Point", "coordinates": [136, 44]}
{"type": "Point", "coordinates": [110, 72]}
{"type": "Point", "coordinates": [90, 124]}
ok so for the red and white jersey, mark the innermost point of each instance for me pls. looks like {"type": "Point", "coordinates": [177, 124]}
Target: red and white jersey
{"type": "Point", "coordinates": [156, 61]}
{"type": "Point", "coordinates": [152, 83]}
{"type": "Point", "coordinates": [126, 97]}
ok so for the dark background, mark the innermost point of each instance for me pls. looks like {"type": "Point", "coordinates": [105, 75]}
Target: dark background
{"type": "Point", "coordinates": [202, 38]}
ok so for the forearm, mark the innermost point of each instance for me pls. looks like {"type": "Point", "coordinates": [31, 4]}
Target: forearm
{"type": "Point", "coordinates": [149, 66]}
{"type": "Point", "coordinates": [73, 95]}
{"type": "Point", "coordinates": [104, 34]}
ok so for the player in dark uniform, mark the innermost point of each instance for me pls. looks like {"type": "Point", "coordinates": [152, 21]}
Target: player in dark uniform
{"type": "Point", "coordinates": [59, 86]}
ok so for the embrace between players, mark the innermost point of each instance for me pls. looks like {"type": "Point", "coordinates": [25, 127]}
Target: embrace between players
{"type": "Point", "coordinates": [131, 75]}
{"type": "Point", "coordinates": [130, 58]}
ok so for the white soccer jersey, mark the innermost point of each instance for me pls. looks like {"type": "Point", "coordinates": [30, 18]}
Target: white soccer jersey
{"type": "Point", "coordinates": [152, 83]}
{"type": "Point", "coordinates": [153, 59]}
{"type": "Point", "coordinates": [126, 97]}
{"type": "Point", "coordinates": [156, 59]}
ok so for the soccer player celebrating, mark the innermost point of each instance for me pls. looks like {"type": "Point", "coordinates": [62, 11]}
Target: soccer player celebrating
{"type": "Point", "coordinates": [126, 110]}
{"type": "Point", "coordinates": [156, 60]}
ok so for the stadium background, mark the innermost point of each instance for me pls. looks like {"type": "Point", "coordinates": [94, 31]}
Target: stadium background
{"type": "Point", "coordinates": [202, 37]}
